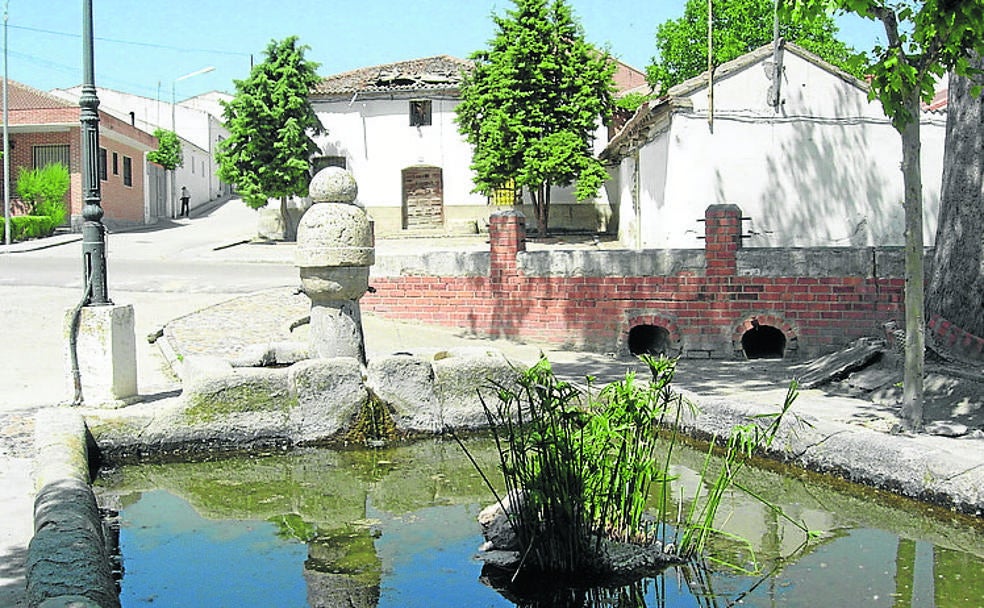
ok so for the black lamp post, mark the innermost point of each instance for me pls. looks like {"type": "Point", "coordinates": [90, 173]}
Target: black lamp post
{"type": "Point", "coordinates": [93, 231]}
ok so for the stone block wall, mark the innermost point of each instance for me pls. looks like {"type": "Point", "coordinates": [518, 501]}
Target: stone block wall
{"type": "Point", "coordinates": [706, 301]}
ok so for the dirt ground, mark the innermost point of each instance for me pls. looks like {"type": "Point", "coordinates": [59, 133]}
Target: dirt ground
{"type": "Point", "coordinates": [954, 392]}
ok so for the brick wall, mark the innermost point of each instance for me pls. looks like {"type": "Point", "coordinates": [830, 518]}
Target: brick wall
{"type": "Point", "coordinates": [122, 205]}
{"type": "Point", "coordinates": [594, 302]}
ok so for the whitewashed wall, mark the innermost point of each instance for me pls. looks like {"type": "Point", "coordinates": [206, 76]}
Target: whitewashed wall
{"type": "Point", "coordinates": [377, 141]}
{"type": "Point", "coordinates": [822, 171]}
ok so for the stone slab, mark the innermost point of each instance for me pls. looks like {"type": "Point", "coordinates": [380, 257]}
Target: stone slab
{"type": "Point", "coordinates": [838, 365]}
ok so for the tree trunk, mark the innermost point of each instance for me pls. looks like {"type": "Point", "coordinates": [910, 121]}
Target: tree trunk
{"type": "Point", "coordinates": [289, 232]}
{"type": "Point", "coordinates": [915, 336]}
{"type": "Point", "coordinates": [541, 207]}
{"type": "Point", "coordinates": [956, 289]}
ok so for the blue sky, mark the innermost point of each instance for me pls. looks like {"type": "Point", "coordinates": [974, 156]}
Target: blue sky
{"type": "Point", "coordinates": [142, 46]}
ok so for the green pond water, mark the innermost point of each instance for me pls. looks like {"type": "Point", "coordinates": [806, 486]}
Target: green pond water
{"type": "Point", "coordinates": [396, 527]}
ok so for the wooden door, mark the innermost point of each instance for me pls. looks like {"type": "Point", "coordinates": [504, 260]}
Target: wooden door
{"type": "Point", "coordinates": [423, 198]}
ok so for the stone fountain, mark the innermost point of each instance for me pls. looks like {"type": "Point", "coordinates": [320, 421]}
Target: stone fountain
{"type": "Point", "coordinates": [334, 253]}
{"type": "Point", "coordinates": [312, 391]}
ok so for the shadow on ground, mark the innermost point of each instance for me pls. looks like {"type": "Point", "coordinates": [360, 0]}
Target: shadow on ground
{"type": "Point", "coordinates": [12, 592]}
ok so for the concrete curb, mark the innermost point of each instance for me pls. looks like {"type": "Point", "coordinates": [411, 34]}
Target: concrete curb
{"type": "Point", "coordinates": [920, 467]}
{"type": "Point", "coordinates": [68, 560]}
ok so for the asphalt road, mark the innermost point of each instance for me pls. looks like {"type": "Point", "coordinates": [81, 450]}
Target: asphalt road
{"type": "Point", "coordinates": [167, 271]}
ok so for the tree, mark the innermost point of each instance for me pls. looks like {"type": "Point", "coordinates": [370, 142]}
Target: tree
{"type": "Point", "coordinates": [739, 26]}
{"type": "Point", "coordinates": [924, 41]}
{"type": "Point", "coordinates": [956, 289]}
{"type": "Point", "coordinates": [271, 126]}
{"type": "Point", "coordinates": [168, 153]}
{"type": "Point", "coordinates": [532, 103]}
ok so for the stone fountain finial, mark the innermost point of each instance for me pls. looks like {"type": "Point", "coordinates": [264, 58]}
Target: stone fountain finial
{"type": "Point", "coordinates": [334, 252]}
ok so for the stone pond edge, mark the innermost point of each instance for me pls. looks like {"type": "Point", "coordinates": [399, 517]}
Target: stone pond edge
{"type": "Point", "coordinates": [905, 465]}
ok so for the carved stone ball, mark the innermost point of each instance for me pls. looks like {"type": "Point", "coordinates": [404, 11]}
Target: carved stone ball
{"type": "Point", "coordinates": [333, 185]}
{"type": "Point", "coordinates": [333, 235]}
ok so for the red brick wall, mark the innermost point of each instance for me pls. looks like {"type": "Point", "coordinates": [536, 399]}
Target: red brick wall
{"type": "Point", "coordinates": [705, 314]}
{"type": "Point", "coordinates": [121, 204]}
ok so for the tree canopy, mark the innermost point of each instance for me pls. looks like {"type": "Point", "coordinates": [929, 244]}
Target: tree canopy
{"type": "Point", "coordinates": [271, 123]}
{"type": "Point", "coordinates": [739, 26]}
{"type": "Point", "coordinates": [168, 153]}
{"type": "Point", "coordinates": [532, 104]}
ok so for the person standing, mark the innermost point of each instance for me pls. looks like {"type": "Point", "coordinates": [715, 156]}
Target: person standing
{"type": "Point", "coordinates": [185, 197]}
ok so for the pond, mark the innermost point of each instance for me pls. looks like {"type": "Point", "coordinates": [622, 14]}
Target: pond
{"type": "Point", "coordinates": [396, 527]}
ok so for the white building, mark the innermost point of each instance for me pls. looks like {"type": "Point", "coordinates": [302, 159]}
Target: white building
{"type": "Point", "coordinates": [393, 127]}
{"type": "Point", "coordinates": [198, 124]}
{"type": "Point", "coordinates": [814, 163]}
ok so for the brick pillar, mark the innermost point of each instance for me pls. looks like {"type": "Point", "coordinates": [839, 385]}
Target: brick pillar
{"type": "Point", "coordinates": [722, 239]}
{"type": "Point", "coordinates": [507, 237]}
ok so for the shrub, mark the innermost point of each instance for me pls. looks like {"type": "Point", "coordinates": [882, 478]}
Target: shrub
{"type": "Point", "coordinates": [24, 227]}
{"type": "Point", "coordinates": [583, 465]}
{"type": "Point", "coordinates": [44, 190]}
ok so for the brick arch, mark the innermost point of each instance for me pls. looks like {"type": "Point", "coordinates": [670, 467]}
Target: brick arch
{"type": "Point", "coordinates": [770, 318]}
{"type": "Point", "coordinates": [635, 318]}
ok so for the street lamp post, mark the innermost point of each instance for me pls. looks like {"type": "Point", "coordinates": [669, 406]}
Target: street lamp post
{"type": "Point", "coordinates": [101, 344]}
{"type": "Point", "coordinates": [174, 128]}
{"type": "Point", "coordinates": [93, 231]}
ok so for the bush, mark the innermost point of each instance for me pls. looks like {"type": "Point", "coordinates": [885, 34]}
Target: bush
{"type": "Point", "coordinates": [44, 190]}
{"type": "Point", "coordinates": [23, 227]}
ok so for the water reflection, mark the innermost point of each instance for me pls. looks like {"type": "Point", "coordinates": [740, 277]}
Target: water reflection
{"type": "Point", "coordinates": [397, 528]}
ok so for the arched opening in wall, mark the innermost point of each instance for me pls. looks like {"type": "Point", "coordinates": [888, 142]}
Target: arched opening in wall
{"type": "Point", "coordinates": [649, 340]}
{"type": "Point", "coordinates": [763, 342]}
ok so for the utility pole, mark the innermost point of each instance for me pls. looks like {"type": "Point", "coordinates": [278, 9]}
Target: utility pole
{"type": "Point", "coordinates": [6, 136]}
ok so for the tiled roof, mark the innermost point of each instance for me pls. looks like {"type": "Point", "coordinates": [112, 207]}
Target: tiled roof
{"type": "Point", "coordinates": [429, 74]}
{"type": "Point", "coordinates": [22, 97]}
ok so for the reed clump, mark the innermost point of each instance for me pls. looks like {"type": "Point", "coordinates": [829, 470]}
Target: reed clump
{"type": "Point", "coordinates": [584, 461]}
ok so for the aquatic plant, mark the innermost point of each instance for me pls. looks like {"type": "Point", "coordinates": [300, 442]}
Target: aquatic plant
{"type": "Point", "coordinates": [579, 466]}
{"type": "Point", "coordinates": [744, 442]}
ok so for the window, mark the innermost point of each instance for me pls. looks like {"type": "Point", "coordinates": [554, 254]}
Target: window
{"type": "Point", "coordinates": [116, 163]}
{"type": "Point", "coordinates": [49, 155]}
{"type": "Point", "coordinates": [320, 162]}
{"type": "Point", "coordinates": [192, 163]}
{"type": "Point", "coordinates": [102, 164]}
{"type": "Point", "coordinates": [127, 171]}
{"type": "Point", "coordinates": [420, 113]}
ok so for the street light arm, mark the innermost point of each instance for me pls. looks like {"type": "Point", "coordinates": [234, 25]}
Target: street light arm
{"type": "Point", "coordinates": [210, 68]}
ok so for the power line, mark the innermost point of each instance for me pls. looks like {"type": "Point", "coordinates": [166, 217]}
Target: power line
{"type": "Point", "coordinates": [132, 42]}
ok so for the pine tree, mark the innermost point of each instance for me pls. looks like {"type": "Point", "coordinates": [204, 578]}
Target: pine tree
{"type": "Point", "coordinates": [271, 124]}
{"type": "Point", "coordinates": [533, 102]}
